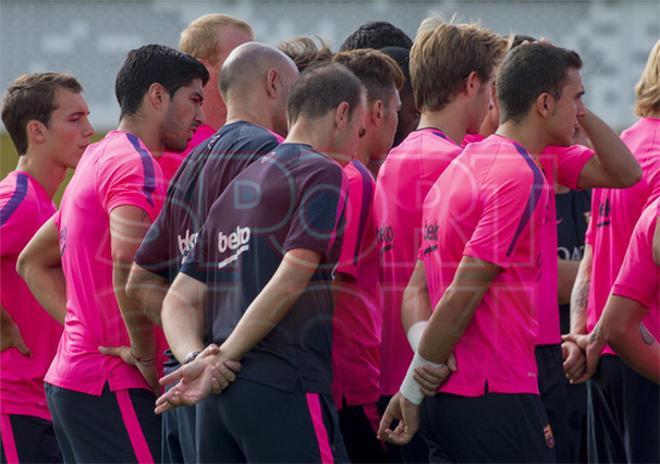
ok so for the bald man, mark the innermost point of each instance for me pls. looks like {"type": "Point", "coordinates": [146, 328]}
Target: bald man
{"type": "Point", "coordinates": [210, 39]}
{"type": "Point", "coordinates": [255, 83]}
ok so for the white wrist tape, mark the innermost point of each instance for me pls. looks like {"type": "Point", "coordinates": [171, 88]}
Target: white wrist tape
{"type": "Point", "coordinates": [410, 389]}
{"type": "Point", "coordinates": [415, 334]}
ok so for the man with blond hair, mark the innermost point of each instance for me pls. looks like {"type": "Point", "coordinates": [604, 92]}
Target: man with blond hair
{"type": "Point", "coordinates": [210, 39]}
{"type": "Point", "coordinates": [452, 67]}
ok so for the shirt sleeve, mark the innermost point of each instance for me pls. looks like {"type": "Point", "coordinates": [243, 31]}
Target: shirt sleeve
{"type": "Point", "coordinates": [638, 276]}
{"type": "Point", "coordinates": [564, 164]}
{"type": "Point", "coordinates": [319, 211]}
{"type": "Point", "coordinates": [506, 217]}
{"type": "Point", "coordinates": [128, 179]}
{"type": "Point", "coordinates": [16, 226]}
{"type": "Point", "coordinates": [154, 252]}
{"type": "Point", "coordinates": [196, 263]}
{"type": "Point", "coordinates": [590, 235]}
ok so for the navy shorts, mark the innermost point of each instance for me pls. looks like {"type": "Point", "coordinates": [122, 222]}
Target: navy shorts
{"type": "Point", "coordinates": [117, 426]}
{"type": "Point", "coordinates": [27, 439]}
{"type": "Point", "coordinates": [251, 422]}
{"type": "Point", "coordinates": [623, 414]}
{"type": "Point", "coordinates": [494, 427]}
{"type": "Point", "coordinates": [552, 386]}
{"type": "Point", "coordinates": [359, 425]}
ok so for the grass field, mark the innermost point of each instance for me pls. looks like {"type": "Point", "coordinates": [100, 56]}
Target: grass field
{"type": "Point", "coordinates": [9, 157]}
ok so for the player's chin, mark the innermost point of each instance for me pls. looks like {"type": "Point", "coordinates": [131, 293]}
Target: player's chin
{"type": "Point", "coordinates": [177, 145]}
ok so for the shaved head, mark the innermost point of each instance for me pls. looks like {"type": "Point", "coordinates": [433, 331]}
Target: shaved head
{"type": "Point", "coordinates": [248, 64]}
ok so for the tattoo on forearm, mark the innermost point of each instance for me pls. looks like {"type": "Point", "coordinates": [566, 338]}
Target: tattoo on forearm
{"type": "Point", "coordinates": [647, 338]}
{"type": "Point", "coordinates": [579, 303]}
{"type": "Point", "coordinates": [595, 334]}
{"type": "Point", "coordinates": [583, 296]}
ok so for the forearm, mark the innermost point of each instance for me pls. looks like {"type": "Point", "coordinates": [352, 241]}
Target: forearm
{"type": "Point", "coordinates": [615, 159]}
{"type": "Point", "coordinates": [6, 322]}
{"type": "Point", "coordinates": [48, 286]}
{"type": "Point", "coordinates": [139, 326]}
{"type": "Point", "coordinates": [567, 273]}
{"type": "Point", "coordinates": [580, 294]}
{"type": "Point", "coordinates": [148, 290]}
{"type": "Point", "coordinates": [268, 308]}
{"type": "Point", "coordinates": [415, 303]}
{"type": "Point", "coordinates": [183, 315]}
{"type": "Point", "coordinates": [449, 321]}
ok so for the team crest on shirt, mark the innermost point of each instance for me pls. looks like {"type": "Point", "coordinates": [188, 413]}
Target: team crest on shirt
{"type": "Point", "coordinates": [549, 436]}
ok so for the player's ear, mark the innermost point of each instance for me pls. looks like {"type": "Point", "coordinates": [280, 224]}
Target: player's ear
{"type": "Point", "coordinates": [545, 104]}
{"type": "Point", "coordinates": [272, 82]}
{"type": "Point", "coordinates": [472, 84]}
{"type": "Point", "coordinates": [156, 96]}
{"type": "Point", "coordinates": [377, 113]}
{"type": "Point", "coordinates": [36, 131]}
{"type": "Point", "coordinates": [342, 115]}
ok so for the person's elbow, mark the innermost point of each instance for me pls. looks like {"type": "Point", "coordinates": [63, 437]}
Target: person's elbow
{"type": "Point", "coordinates": [134, 284]}
{"type": "Point", "coordinates": [614, 334]}
{"type": "Point", "coordinates": [630, 177]}
{"type": "Point", "coordinates": [23, 265]}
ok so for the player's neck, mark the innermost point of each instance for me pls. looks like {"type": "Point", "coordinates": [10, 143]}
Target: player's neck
{"type": "Point", "coordinates": [448, 120]}
{"type": "Point", "coordinates": [148, 134]}
{"type": "Point", "coordinates": [256, 116]}
{"type": "Point", "coordinates": [45, 171]}
{"type": "Point", "coordinates": [529, 136]}
{"type": "Point", "coordinates": [362, 154]}
{"type": "Point", "coordinates": [318, 138]}
{"type": "Point", "coordinates": [215, 110]}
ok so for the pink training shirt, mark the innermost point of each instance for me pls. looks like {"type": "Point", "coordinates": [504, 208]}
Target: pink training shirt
{"type": "Point", "coordinates": [24, 207]}
{"type": "Point", "coordinates": [472, 138]}
{"type": "Point", "coordinates": [639, 277]}
{"type": "Point", "coordinates": [403, 182]}
{"type": "Point", "coordinates": [614, 213]}
{"type": "Point", "coordinates": [169, 161]}
{"type": "Point", "coordinates": [116, 171]}
{"type": "Point", "coordinates": [491, 203]}
{"type": "Point", "coordinates": [561, 165]}
{"type": "Point", "coordinates": [357, 319]}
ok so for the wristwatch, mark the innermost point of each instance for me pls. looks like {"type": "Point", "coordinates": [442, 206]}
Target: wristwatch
{"type": "Point", "coordinates": [190, 357]}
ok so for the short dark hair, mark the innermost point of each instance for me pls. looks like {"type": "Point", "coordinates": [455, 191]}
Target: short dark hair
{"type": "Point", "coordinates": [377, 71]}
{"type": "Point", "coordinates": [377, 34]}
{"type": "Point", "coordinates": [32, 97]}
{"type": "Point", "coordinates": [305, 53]}
{"type": "Point", "coordinates": [323, 88]}
{"type": "Point", "coordinates": [402, 57]}
{"type": "Point", "coordinates": [154, 64]}
{"type": "Point", "coordinates": [528, 71]}
{"type": "Point", "coordinates": [516, 40]}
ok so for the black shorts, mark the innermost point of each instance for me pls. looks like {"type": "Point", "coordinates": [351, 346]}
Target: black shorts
{"type": "Point", "coordinates": [117, 426]}
{"type": "Point", "coordinates": [623, 414]}
{"type": "Point", "coordinates": [250, 422]}
{"type": "Point", "coordinates": [552, 386]}
{"type": "Point", "coordinates": [178, 434]}
{"type": "Point", "coordinates": [494, 427]}
{"type": "Point", "coordinates": [359, 425]}
{"type": "Point", "coordinates": [27, 439]}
